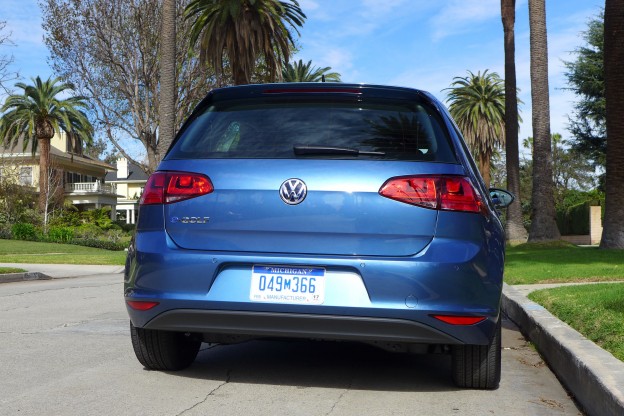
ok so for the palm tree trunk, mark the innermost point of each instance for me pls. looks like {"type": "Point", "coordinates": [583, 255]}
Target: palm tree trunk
{"type": "Point", "coordinates": [484, 167]}
{"type": "Point", "coordinates": [44, 163]}
{"type": "Point", "coordinates": [167, 77]}
{"type": "Point", "coordinates": [613, 226]}
{"type": "Point", "coordinates": [543, 222]}
{"type": "Point", "coordinates": [514, 225]}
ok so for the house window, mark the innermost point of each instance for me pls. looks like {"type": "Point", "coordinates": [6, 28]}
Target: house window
{"type": "Point", "coordinates": [25, 176]}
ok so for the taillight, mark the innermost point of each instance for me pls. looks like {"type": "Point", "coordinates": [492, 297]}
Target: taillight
{"type": "Point", "coordinates": [441, 192]}
{"type": "Point", "coordinates": [169, 187]}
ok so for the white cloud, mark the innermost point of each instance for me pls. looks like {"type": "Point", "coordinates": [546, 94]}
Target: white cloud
{"type": "Point", "coordinates": [459, 16]}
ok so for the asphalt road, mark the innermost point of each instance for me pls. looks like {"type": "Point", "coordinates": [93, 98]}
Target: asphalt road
{"type": "Point", "coordinates": [65, 350]}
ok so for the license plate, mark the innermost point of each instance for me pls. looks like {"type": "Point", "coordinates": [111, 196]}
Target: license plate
{"type": "Point", "coordinates": [288, 284]}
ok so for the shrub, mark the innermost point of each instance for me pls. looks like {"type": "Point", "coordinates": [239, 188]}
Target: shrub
{"type": "Point", "coordinates": [88, 232]}
{"type": "Point", "coordinates": [574, 220]}
{"type": "Point", "coordinates": [60, 234]}
{"type": "Point", "coordinates": [24, 231]}
{"type": "Point", "coordinates": [104, 244]}
{"type": "Point", "coordinates": [5, 232]}
{"type": "Point", "coordinates": [128, 228]}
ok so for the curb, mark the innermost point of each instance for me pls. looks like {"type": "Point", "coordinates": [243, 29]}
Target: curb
{"type": "Point", "coordinates": [591, 374]}
{"type": "Point", "coordinates": [20, 277]}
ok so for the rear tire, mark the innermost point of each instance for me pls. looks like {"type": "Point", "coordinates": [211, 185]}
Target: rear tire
{"type": "Point", "coordinates": [163, 350]}
{"type": "Point", "coordinates": [478, 366]}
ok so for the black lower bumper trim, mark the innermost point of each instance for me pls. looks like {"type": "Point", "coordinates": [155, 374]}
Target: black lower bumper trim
{"type": "Point", "coordinates": [290, 325]}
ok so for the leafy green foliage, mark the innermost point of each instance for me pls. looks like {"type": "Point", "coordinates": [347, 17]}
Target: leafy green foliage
{"type": "Point", "coordinates": [39, 108]}
{"type": "Point", "coordinates": [300, 72]}
{"type": "Point", "coordinates": [25, 231]}
{"type": "Point", "coordinates": [586, 78]}
{"type": "Point", "coordinates": [477, 103]}
{"type": "Point", "coordinates": [60, 234]}
{"type": "Point", "coordinates": [574, 220]}
{"type": "Point", "coordinates": [103, 244]}
{"type": "Point", "coordinates": [244, 31]}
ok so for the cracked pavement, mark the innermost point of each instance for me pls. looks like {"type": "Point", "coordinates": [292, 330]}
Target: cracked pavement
{"type": "Point", "coordinates": [65, 350]}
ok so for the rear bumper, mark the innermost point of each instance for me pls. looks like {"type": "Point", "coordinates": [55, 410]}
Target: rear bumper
{"type": "Point", "coordinates": [292, 325]}
{"type": "Point", "coordinates": [394, 298]}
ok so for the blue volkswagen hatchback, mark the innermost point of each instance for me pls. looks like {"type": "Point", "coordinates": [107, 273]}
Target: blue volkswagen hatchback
{"type": "Point", "coordinates": [324, 211]}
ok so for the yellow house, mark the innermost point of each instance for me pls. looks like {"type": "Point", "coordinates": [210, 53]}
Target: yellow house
{"type": "Point", "coordinates": [81, 178]}
{"type": "Point", "coordinates": [129, 180]}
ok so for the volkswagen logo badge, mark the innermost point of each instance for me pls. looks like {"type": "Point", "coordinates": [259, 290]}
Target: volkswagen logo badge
{"type": "Point", "coordinates": [293, 191]}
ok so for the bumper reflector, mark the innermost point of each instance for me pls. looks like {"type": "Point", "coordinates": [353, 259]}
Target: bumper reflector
{"type": "Point", "coordinates": [141, 305]}
{"type": "Point", "coordinates": [459, 320]}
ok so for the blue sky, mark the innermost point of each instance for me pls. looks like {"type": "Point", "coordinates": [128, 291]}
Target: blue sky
{"type": "Point", "coordinates": [415, 43]}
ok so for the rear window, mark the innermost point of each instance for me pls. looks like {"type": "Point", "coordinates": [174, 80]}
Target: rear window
{"type": "Point", "coordinates": [296, 127]}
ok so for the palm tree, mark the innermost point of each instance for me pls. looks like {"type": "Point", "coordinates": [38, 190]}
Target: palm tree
{"type": "Point", "coordinates": [245, 30]}
{"type": "Point", "coordinates": [38, 114]}
{"type": "Point", "coordinates": [167, 105]}
{"type": "Point", "coordinates": [514, 226]}
{"type": "Point", "coordinates": [543, 217]}
{"type": "Point", "coordinates": [613, 227]}
{"type": "Point", "coordinates": [477, 103]}
{"type": "Point", "coordinates": [300, 72]}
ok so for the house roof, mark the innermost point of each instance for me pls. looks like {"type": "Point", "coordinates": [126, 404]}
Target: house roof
{"type": "Point", "coordinates": [135, 173]}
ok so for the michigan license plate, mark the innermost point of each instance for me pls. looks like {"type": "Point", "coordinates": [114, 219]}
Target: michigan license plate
{"type": "Point", "coordinates": [288, 284]}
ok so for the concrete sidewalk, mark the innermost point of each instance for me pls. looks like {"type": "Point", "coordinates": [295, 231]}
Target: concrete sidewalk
{"type": "Point", "coordinates": [55, 271]}
{"type": "Point", "coordinates": [593, 376]}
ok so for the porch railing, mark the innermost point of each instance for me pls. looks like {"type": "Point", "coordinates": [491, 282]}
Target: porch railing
{"type": "Point", "coordinates": [91, 187]}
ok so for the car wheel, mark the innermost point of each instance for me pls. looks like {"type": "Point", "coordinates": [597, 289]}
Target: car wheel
{"type": "Point", "coordinates": [163, 350]}
{"type": "Point", "coordinates": [478, 366]}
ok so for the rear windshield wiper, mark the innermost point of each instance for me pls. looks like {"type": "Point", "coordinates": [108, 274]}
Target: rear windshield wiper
{"type": "Point", "coordinates": [330, 150]}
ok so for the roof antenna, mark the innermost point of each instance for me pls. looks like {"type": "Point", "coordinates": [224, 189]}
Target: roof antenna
{"type": "Point", "coordinates": [323, 78]}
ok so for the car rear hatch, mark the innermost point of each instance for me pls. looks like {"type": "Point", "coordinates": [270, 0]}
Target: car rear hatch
{"type": "Point", "coordinates": [342, 145]}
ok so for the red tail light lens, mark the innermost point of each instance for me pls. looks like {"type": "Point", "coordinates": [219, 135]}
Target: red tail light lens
{"type": "Point", "coordinates": [169, 187]}
{"type": "Point", "coordinates": [441, 192]}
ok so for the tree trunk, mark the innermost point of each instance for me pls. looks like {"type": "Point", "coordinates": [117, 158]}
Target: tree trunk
{"type": "Point", "coordinates": [516, 233]}
{"type": "Point", "coordinates": [44, 163]}
{"type": "Point", "coordinates": [613, 225]}
{"type": "Point", "coordinates": [543, 222]}
{"type": "Point", "coordinates": [484, 167]}
{"type": "Point", "coordinates": [167, 77]}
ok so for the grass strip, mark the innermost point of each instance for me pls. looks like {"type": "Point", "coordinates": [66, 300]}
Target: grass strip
{"type": "Point", "coordinates": [594, 310]}
{"type": "Point", "coordinates": [562, 263]}
{"type": "Point", "coordinates": [7, 270]}
{"type": "Point", "coordinates": [15, 251]}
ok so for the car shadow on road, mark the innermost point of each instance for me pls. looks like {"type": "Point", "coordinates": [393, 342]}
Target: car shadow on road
{"type": "Point", "coordinates": [340, 365]}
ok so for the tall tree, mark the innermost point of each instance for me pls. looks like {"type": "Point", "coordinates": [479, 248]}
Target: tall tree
{"type": "Point", "coordinates": [586, 79]}
{"type": "Point", "coordinates": [543, 216]}
{"type": "Point", "coordinates": [477, 103]}
{"type": "Point", "coordinates": [514, 225]}
{"type": "Point", "coordinates": [613, 225]}
{"type": "Point", "coordinates": [300, 72]}
{"type": "Point", "coordinates": [167, 76]}
{"type": "Point", "coordinates": [38, 114]}
{"type": "Point", "coordinates": [110, 50]}
{"type": "Point", "coordinates": [245, 31]}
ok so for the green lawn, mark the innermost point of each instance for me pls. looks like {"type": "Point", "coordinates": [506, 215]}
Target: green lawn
{"type": "Point", "coordinates": [559, 263]}
{"type": "Point", "coordinates": [596, 311]}
{"type": "Point", "coordinates": [6, 270]}
{"type": "Point", "coordinates": [14, 251]}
